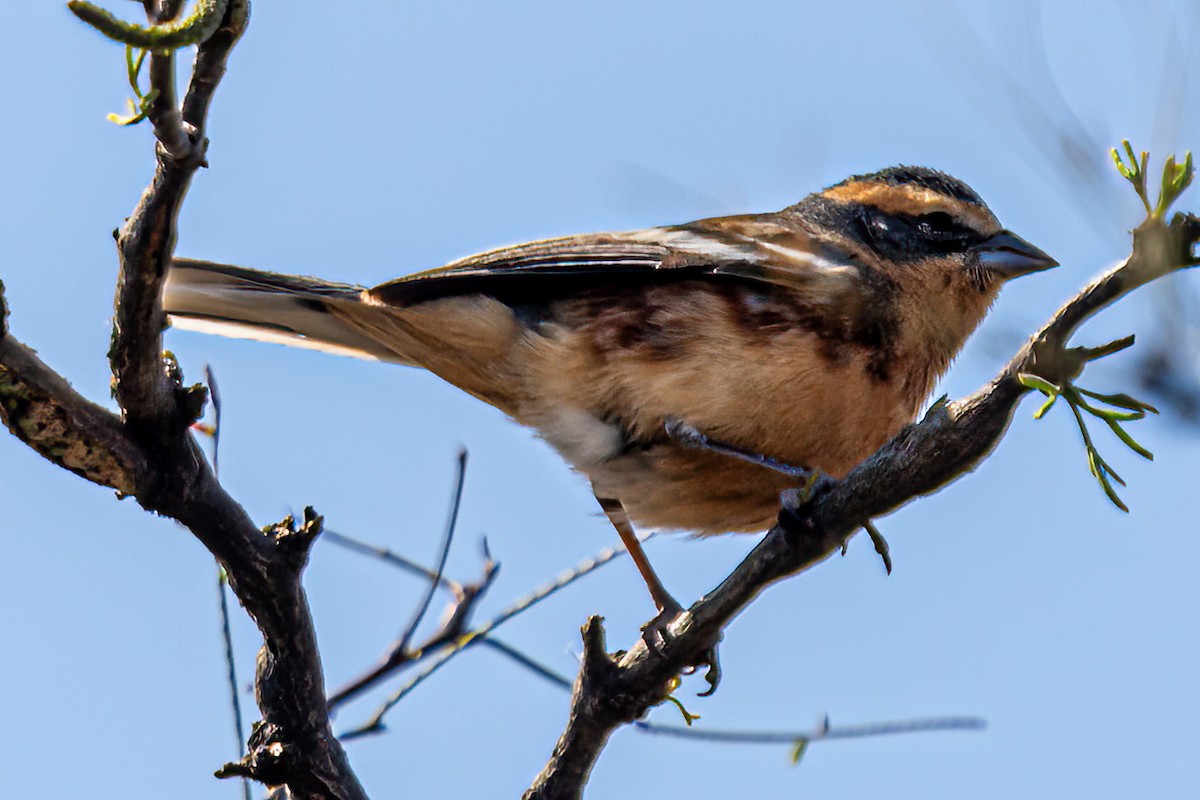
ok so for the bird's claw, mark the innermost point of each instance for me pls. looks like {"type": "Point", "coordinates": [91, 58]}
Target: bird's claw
{"type": "Point", "coordinates": [654, 632]}
{"type": "Point", "coordinates": [712, 669]}
{"type": "Point", "coordinates": [656, 635]}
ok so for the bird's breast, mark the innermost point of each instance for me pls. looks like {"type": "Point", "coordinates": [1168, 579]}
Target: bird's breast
{"type": "Point", "coordinates": [600, 387]}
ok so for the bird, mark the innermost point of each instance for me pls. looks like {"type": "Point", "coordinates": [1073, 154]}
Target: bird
{"type": "Point", "coordinates": [802, 339]}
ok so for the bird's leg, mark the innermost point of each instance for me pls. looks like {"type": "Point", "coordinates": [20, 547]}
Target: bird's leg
{"type": "Point", "coordinates": [814, 480]}
{"type": "Point", "coordinates": [682, 433]}
{"type": "Point", "coordinates": [654, 632]}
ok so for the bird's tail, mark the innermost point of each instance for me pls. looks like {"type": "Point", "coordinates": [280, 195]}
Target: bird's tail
{"type": "Point", "coordinates": [249, 304]}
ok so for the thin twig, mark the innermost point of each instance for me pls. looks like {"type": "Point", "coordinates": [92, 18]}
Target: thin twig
{"type": "Point", "coordinates": [164, 33]}
{"type": "Point", "coordinates": [452, 628]}
{"type": "Point", "coordinates": [447, 540]}
{"type": "Point", "coordinates": [214, 397]}
{"type": "Point", "coordinates": [239, 730]}
{"type": "Point", "coordinates": [564, 579]}
{"type": "Point", "coordinates": [816, 734]}
{"type": "Point", "coordinates": [390, 557]}
{"type": "Point", "coordinates": [536, 667]}
{"type": "Point", "coordinates": [454, 620]}
{"type": "Point", "coordinates": [750, 737]}
{"type": "Point", "coordinates": [375, 723]}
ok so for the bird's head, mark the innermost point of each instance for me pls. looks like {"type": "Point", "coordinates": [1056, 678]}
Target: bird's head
{"type": "Point", "coordinates": [932, 237]}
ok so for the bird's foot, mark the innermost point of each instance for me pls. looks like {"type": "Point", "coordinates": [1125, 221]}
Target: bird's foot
{"type": "Point", "coordinates": [656, 635]}
{"type": "Point", "coordinates": [881, 545]}
{"type": "Point", "coordinates": [816, 483]}
{"type": "Point", "coordinates": [712, 668]}
{"type": "Point", "coordinates": [654, 632]}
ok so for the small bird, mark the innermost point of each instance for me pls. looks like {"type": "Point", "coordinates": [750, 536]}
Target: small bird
{"type": "Point", "coordinates": [805, 337]}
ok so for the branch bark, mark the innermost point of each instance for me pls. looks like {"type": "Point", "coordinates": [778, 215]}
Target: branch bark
{"type": "Point", "coordinates": [42, 410]}
{"type": "Point", "coordinates": [150, 454]}
{"type": "Point", "coordinates": [948, 443]}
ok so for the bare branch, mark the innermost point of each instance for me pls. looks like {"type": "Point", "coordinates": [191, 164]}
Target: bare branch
{"type": "Point", "coordinates": [597, 708]}
{"type": "Point", "coordinates": [536, 667]}
{"type": "Point", "coordinates": [794, 738]}
{"type": "Point", "coordinates": [147, 398]}
{"type": "Point", "coordinates": [42, 410]}
{"type": "Point", "coordinates": [471, 638]}
{"type": "Point", "coordinates": [152, 455]}
{"type": "Point", "coordinates": [231, 672]}
{"type": "Point", "coordinates": [294, 745]}
{"type": "Point", "coordinates": [388, 556]}
{"type": "Point", "coordinates": [447, 541]}
{"type": "Point", "coordinates": [451, 631]}
{"type": "Point", "coordinates": [209, 66]}
{"type": "Point", "coordinates": [823, 732]}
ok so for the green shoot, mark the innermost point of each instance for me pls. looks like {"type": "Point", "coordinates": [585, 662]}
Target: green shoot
{"type": "Point", "coordinates": [1175, 178]}
{"type": "Point", "coordinates": [1112, 409]}
{"type": "Point", "coordinates": [139, 109]}
{"type": "Point", "coordinates": [688, 717]}
{"type": "Point", "coordinates": [191, 29]}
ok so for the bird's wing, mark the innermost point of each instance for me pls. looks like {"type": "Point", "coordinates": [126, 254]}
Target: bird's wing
{"type": "Point", "coordinates": [755, 249]}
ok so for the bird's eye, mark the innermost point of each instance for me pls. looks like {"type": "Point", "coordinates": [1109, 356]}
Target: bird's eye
{"type": "Point", "coordinates": [880, 225]}
{"type": "Point", "coordinates": [939, 225]}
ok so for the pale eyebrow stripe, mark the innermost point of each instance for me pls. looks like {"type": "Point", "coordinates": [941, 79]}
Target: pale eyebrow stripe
{"type": "Point", "coordinates": [912, 200]}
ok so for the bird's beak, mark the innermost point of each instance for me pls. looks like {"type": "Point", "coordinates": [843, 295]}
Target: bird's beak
{"type": "Point", "coordinates": [1009, 256]}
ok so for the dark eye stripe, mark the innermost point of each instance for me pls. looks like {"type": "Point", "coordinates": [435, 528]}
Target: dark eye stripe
{"type": "Point", "coordinates": [895, 236]}
{"type": "Point", "coordinates": [938, 225]}
{"type": "Point", "coordinates": [941, 227]}
{"type": "Point", "coordinates": [903, 237]}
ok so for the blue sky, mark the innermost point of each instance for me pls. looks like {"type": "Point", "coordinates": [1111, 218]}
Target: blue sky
{"type": "Point", "coordinates": [364, 146]}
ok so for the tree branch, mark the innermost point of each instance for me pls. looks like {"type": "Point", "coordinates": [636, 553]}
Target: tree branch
{"type": "Point", "coordinates": [150, 454]}
{"type": "Point", "coordinates": [42, 410]}
{"type": "Point", "coordinates": [168, 35]}
{"type": "Point", "coordinates": [464, 640]}
{"type": "Point", "coordinates": [948, 443]}
{"type": "Point", "coordinates": [145, 243]}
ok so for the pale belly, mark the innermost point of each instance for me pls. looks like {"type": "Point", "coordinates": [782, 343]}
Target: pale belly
{"type": "Point", "coordinates": [830, 425]}
{"type": "Point", "coordinates": [673, 488]}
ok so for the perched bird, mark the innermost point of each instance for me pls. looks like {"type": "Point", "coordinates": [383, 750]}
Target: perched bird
{"type": "Point", "coordinates": [804, 337]}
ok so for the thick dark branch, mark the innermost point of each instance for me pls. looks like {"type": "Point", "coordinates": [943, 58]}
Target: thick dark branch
{"type": "Point", "coordinates": [948, 443]}
{"type": "Point", "coordinates": [294, 745]}
{"type": "Point", "coordinates": [146, 242]}
{"type": "Point", "coordinates": [598, 706]}
{"type": "Point", "coordinates": [151, 455]}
